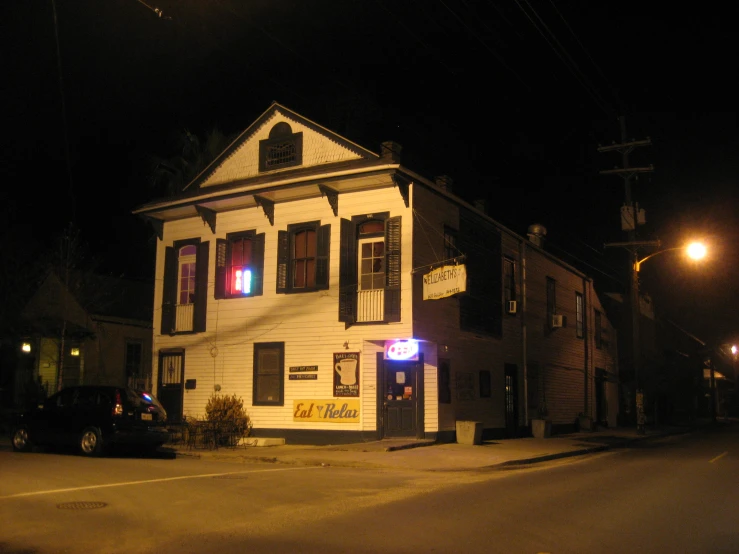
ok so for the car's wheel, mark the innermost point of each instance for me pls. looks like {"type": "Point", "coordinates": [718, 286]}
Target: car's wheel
{"type": "Point", "coordinates": [91, 442]}
{"type": "Point", "coordinates": [22, 439]}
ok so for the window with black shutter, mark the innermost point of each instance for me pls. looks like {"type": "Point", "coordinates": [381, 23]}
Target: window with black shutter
{"type": "Point", "coordinates": [303, 257]}
{"type": "Point", "coordinates": [239, 265]}
{"type": "Point", "coordinates": [481, 309]}
{"type": "Point", "coordinates": [185, 287]}
{"type": "Point", "coordinates": [369, 269]}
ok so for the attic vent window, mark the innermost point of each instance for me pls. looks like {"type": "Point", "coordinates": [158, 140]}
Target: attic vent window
{"type": "Point", "coordinates": [282, 149]}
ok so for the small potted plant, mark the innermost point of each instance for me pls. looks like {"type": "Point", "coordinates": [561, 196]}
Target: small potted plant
{"type": "Point", "coordinates": [541, 427]}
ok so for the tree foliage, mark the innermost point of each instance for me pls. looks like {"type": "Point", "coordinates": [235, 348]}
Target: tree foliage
{"type": "Point", "coordinates": [169, 175]}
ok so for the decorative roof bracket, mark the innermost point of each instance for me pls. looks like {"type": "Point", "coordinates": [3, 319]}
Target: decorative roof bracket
{"type": "Point", "coordinates": [268, 206]}
{"type": "Point", "coordinates": [208, 216]}
{"type": "Point", "coordinates": [157, 225]}
{"type": "Point", "coordinates": [403, 186]}
{"type": "Point", "coordinates": [333, 197]}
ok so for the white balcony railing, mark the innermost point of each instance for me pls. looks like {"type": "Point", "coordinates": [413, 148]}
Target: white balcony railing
{"type": "Point", "coordinates": [371, 305]}
{"type": "Point", "coordinates": [184, 317]}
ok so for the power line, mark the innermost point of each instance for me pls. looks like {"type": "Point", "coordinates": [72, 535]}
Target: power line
{"type": "Point", "coordinates": [587, 53]}
{"type": "Point", "coordinates": [493, 52]}
{"type": "Point", "coordinates": [569, 62]}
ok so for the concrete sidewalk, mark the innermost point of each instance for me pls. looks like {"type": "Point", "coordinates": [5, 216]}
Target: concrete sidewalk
{"type": "Point", "coordinates": [424, 455]}
{"type": "Point", "coordinates": [429, 456]}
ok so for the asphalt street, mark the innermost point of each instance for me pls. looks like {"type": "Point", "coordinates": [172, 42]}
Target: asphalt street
{"type": "Point", "coordinates": [670, 494]}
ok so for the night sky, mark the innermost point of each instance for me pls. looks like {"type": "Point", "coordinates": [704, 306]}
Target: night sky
{"type": "Point", "coordinates": [510, 98]}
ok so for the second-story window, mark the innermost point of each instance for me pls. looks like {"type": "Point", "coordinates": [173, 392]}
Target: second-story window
{"type": "Point", "coordinates": [303, 257]}
{"type": "Point", "coordinates": [239, 265]}
{"type": "Point", "coordinates": [185, 287]}
{"type": "Point", "coordinates": [450, 243]}
{"type": "Point", "coordinates": [551, 301]}
{"type": "Point", "coordinates": [598, 330]}
{"type": "Point", "coordinates": [509, 280]}
{"type": "Point", "coordinates": [579, 314]}
{"type": "Point", "coordinates": [369, 269]}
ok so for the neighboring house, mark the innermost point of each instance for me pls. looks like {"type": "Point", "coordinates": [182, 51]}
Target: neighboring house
{"type": "Point", "coordinates": [96, 330]}
{"type": "Point", "coordinates": [291, 273]}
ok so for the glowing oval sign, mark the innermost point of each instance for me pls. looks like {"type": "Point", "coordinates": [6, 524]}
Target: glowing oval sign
{"type": "Point", "coordinates": [401, 350]}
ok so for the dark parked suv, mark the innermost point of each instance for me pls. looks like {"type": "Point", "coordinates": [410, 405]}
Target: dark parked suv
{"type": "Point", "coordinates": [94, 418]}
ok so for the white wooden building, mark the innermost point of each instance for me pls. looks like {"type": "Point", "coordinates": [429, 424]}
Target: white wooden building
{"type": "Point", "coordinates": [291, 273]}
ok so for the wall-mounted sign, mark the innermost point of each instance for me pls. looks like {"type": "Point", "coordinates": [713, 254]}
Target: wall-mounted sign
{"type": "Point", "coordinates": [444, 281]}
{"type": "Point", "coordinates": [326, 411]}
{"type": "Point", "coordinates": [299, 368]}
{"type": "Point", "coordinates": [346, 373]}
{"type": "Point", "coordinates": [401, 350]}
{"type": "Point", "coordinates": [303, 377]}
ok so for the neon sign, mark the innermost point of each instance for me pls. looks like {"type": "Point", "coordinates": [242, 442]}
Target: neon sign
{"type": "Point", "coordinates": [401, 350]}
{"type": "Point", "coordinates": [242, 280]}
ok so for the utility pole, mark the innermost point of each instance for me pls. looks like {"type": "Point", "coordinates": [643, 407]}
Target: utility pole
{"type": "Point", "coordinates": [630, 218]}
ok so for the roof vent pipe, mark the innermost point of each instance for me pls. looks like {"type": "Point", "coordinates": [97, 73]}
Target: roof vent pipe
{"type": "Point", "coordinates": [537, 232]}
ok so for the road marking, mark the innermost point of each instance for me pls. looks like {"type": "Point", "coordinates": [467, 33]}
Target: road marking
{"type": "Point", "coordinates": [149, 481]}
{"type": "Point", "coordinates": [718, 457]}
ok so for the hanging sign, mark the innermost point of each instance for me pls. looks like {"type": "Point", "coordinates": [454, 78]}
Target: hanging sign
{"type": "Point", "coordinates": [444, 281]}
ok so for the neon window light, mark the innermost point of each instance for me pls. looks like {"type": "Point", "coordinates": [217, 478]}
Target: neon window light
{"type": "Point", "coordinates": [242, 281]}
{"type": "Point", "coordinates": [402, 350]}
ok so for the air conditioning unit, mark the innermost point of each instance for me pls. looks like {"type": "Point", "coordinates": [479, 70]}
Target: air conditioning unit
{"type": "Point", "coordinates": [511, 306]}
{"type": "Point", "coordinates": [558, 321]}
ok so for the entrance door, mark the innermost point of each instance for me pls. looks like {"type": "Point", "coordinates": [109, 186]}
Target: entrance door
{"type": "Point", "coordinates": [170, 389]}
{"type": "Point", "coordinates": [601, 412]}
{"type": "Point", "coordinates": [511, 400]}
{"type": "Point", "coordinates": [401, 399]}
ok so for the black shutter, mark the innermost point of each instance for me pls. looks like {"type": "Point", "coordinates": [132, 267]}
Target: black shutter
{"type": "Point", "coordinates": [201, 287]}
{"type": "Point", "coordinates": [220, 284]}
{"type": "Point", "coordinates": [392, 268]}
{"type": "Point", "coordinates": [257, 262]}
{"type": "Point", "coordinates": [322, 258]}
{"type": "Point", "coordinates": [282, 259]}
{"type": "Point", "coordinates": [348, 272]}
{"type": "Point", "coordinates": [169, 290]}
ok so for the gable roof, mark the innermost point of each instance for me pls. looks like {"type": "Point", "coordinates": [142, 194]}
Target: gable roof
{"type": "Point", "coordinates": [88, 297]}
{"type": "Point", "coordinates": [238, 160]}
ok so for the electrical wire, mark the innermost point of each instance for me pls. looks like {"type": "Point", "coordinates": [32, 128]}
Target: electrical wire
{"type": "Point", "coordinates": [561, 54]}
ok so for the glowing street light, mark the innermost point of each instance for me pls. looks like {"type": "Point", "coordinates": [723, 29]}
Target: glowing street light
{"type": "Point", "coordinates": [694, 250]}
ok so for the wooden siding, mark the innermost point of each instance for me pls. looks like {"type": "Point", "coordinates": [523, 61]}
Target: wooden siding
{"type": "Point", "coordinates": [438, 323]}
{"type": "Point", "coordinates": [306, 322]}
{"type": "Point", "coordinates": [244, 162]}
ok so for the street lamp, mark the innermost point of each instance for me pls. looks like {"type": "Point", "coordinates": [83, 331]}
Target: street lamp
{"type": "Point", "coordinates": [694, 250]}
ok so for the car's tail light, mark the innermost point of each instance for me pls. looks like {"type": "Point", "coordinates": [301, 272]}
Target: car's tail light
{"type": "Point", "coordinates": [118, 407]}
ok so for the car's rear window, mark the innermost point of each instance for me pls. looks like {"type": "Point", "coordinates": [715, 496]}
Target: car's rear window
{"type": "Point", "coordinates": [142, 396]}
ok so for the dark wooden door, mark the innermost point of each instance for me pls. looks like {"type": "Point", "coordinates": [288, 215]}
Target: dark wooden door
{"type": "Point", "coordinates": [171, 379]}
{"type": "Point", "coordinates": [601, 410]}
{"type": "Point", "coordinates": [401, 395]}
{"type": "Point", "coordinates": [511, 400]}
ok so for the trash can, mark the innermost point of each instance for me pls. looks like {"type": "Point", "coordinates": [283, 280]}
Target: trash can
{"type": "Point", "coordinates": [469, 432]}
